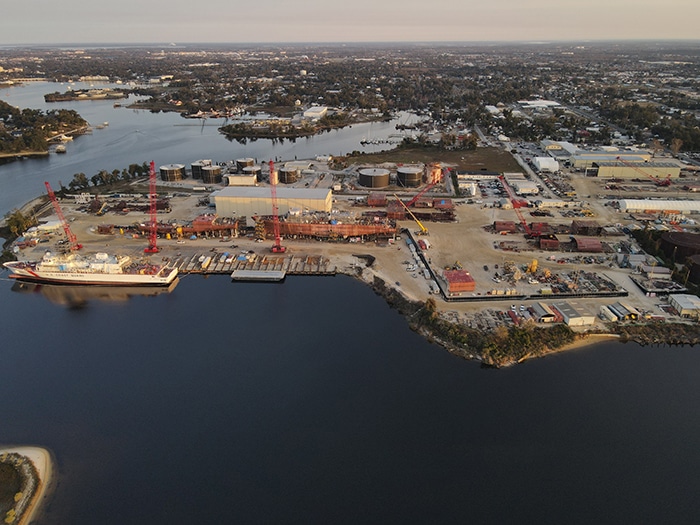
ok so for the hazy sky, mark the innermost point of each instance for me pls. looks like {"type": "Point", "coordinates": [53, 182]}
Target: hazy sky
{"type": "Point", "coordinates": [161, 21]}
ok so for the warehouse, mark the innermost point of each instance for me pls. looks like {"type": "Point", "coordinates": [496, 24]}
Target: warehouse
{"type": "Point", "coordinates": [525, 187]}
{"type": "Point", "coordinates": [651, 206]}
{"type": "Point", "coordinates": [574, 315]}
{"type": "Point", "coordinates": [585, 159]}
{"type": "Point", "coordinates": [659, 170]}
{"type": "Point", "coordinates": [543, 313]}
{"type": "Point", "coordinates": [685, 304]}
{"type": "Point", "coordinates": [242, 201]}
{"type": "Point", "coordinates": [546, 164]}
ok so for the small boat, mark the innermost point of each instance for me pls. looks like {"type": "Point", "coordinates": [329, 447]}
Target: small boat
{"type": "Point", "coordinates": [60, 149]}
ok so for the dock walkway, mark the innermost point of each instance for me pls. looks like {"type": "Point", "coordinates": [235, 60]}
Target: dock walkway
{"type": "Point", "coordinates": [218, 264]}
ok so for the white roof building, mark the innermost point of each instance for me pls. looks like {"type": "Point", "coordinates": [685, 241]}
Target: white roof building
{"type": "Point", "coordinates": [632, 205]}
{"type": "Point", "coordinates": [546, 164]}
{"type": "Point", "coordinates": [315, 112]}
{"type": "Point", "coordinates": [685, 304]}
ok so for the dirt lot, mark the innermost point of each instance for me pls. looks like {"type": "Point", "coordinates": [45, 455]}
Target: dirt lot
{"type": "Point", "coordinates": [482, 159]}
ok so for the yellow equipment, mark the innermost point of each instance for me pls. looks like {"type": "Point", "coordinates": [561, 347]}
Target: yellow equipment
{"type": "Point", "coordinates": [423, 229]}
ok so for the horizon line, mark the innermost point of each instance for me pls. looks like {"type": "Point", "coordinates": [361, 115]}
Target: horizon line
{"type": "Point", "coordinates": [357, 42]}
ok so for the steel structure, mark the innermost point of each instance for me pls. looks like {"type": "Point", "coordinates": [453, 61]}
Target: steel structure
{"type": "Point", "coordinates": [277, 247]}
{"type": "Point", "coordinates": [517, 204]}
{"type": "Point", "coordinates": [72, 240]}
{"type": "Point", "coordinates": [153, 222]}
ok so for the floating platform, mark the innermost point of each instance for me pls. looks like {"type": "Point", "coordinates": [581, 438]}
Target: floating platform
{"type": "Point", "coordinates": [258, 275]}
{"type": "Point", "coordinates": [213, 263]}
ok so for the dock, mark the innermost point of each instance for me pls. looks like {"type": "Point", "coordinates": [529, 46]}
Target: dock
{"type": "Point", "coordinates": [253, 267]}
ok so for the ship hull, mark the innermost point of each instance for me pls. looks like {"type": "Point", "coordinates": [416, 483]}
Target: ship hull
{"type": "Point", "coordinates": [163, 278]}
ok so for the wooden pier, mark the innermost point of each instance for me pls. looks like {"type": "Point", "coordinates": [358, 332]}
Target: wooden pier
{"type": "Point", "coordinates": [219, 264]}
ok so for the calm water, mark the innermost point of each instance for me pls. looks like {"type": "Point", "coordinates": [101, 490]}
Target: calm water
{"type": "Point", "coordinates": [142, 136]}
{"type": "Point", "coordinates": [311, 402]}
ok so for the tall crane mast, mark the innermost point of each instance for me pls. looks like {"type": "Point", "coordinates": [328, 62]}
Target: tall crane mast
{"type": "Point", "coordinates": [277, 247]}
{"type": "Point", "coordinates": [517, 204]}
{"type": "Point", "coordinates": [153, 221]}
{"type": "Point", "coordinates": [72, 241]}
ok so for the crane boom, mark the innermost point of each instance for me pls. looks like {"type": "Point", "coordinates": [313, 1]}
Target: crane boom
{"type": "Point", "coordinates": [423, 229]}
{"type": "Point", "coordinates": [657, 180]}
{"type": "Point", "coordinates": [72, 240]}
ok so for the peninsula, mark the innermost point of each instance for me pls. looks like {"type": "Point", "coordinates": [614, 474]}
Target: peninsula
{"type": "Point", "coordinates": [25, 474]}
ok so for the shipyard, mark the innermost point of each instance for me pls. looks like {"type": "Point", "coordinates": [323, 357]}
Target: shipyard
{"type": "Point", "coordinates": [427, 230]}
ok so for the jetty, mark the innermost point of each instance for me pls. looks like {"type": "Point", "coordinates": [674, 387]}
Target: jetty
{"type": "Point", "coordinates": [253, 267]}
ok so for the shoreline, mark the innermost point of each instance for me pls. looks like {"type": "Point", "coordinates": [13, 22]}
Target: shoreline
{"type": "Point", "coordinates": [42, 460]}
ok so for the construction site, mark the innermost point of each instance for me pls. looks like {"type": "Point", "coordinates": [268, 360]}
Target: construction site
{"type": "Point", "coordinates": [418, 234]}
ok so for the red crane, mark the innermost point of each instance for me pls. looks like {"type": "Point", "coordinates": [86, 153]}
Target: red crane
{"type": "Point", "coordinates": [277, 247]}
{"type": "Point", "coordinates": [421, 193]}
{"type": "Point", "coordinates": [657, 180]}
{"type": "Point", "coordinates": [153, 222]}
{"type": "Point", "coordinates": [517, 204]}
{"type": "Point", "coordinates": [72, 241]}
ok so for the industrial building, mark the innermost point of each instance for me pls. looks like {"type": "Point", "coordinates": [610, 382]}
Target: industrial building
{"type": "Point", "coordinates": [614, 169]}
{"type": "Point", "coordinates": [585, 227]}
{"type": "Point", "coordinates": [686, 305]}
{"type": "Point", "coordinates": [315, 112]}
{"type": "Point", "coordinates": [459, 281]}
{"type": "Point", "coordinates": [655, 206]}
{"type": "Point", "coordinates": [545, 164]}
{"type": "Point", "coordinates": [574, 315]}
{"type": "Point", "coordinates": [252, 201]}
{"type": "Point", "coordinates": [585, 159]}
{"type": "Point", "coordinates": [619, 311]}
{"type": "Point", "coordinates": [543, 313]}
{"type": "Point", "coordinates": [525, 187]}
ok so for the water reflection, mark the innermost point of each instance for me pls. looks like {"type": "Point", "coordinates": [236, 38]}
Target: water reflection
{"type": "Point", "coordinates": [80, 296]}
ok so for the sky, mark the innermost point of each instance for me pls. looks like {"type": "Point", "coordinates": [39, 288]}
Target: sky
{"type": "Point", "coordinates": [259, 21]}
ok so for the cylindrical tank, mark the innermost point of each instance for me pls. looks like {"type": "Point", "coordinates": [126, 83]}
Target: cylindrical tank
{"type": "Point", "coordinates": [409, 176]}
{"type": "Point", "coordinates": [211, 174]}
{"type": "Point", "coordinates": [197, 168]}
{"type": "Point", "coordinates": [242, 163]}
{"type": "Point", "coordinates": [171, 172]}
{"type": "Point", "coordinates": [252, 170]}
{"type": "Point", "coordinates": [374, 178]}
{"type": "Point", "coordinates": [288, 175]}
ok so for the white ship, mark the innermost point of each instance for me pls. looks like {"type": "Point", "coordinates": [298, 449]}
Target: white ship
{"type": "Point", "coordinates": [99, 269]}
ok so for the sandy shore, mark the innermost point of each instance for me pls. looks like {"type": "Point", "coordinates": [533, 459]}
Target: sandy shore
{"type": "Point", "coordinates": [588, 340]}
{"type": "Point", "coordinates": [41, 458]}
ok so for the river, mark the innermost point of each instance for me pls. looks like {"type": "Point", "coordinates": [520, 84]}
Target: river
{"type": "Point", "coordinates": [166, 138]}
{"type": "Point", "coordinates": [310, 401]}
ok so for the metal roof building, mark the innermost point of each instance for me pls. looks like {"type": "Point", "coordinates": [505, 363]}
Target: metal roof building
{"type": "Point", "coordinates": [238, 201]}
{"type": "Point", "coordinates": [685, 304]}
{"type": "Point", "coordinates": [631, 205]}
{"type": "Point", "coordinates": [614, 169]}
